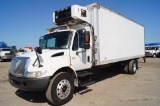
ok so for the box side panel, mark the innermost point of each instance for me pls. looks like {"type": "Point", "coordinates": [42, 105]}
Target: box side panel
{"type": "Point", "coordinates": [119, 37]}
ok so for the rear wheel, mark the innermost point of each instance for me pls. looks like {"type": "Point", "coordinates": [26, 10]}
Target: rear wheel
{"type": "Point", "coordinates": [126, 67]}
{"type": "Point", "coordinates": [132, 67]}
{"type": "Point", "coordinates": [61, 89]}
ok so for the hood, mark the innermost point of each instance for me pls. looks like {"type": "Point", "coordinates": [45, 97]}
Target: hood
{"type": "Point", "coordinates": [47, 59]}
{"type": "Point", "coordinates": [46, 53]}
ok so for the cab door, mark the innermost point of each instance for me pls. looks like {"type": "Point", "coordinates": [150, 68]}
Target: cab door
{"type": "Point", "coordinates": [81, 58]}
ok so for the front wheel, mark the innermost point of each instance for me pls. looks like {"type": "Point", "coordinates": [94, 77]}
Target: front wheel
{"type": "Point", "coordinates": [61, 89]}
{"type": "Point", "coordinates": [154, 55]}
{"type": "Point", "coordinates": [1, 59]}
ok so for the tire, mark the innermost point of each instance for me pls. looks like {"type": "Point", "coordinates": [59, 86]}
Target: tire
{"type": "Point", "coordinates": [132, 67]}
{"type": "Point", "coordinates": [154, 55]}
{"type": "Point", "coordinates": [60, 89]}
{"type": "Point", "coordinates": [126, 70]}
{"type": "Point", "coordinates": [1, 59]}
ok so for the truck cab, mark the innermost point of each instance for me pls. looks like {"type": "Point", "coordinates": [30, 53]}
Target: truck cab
{"type": "Point", "coordinates": [61, 54]}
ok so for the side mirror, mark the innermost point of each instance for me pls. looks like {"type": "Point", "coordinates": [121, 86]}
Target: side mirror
{"type": "Point", "coordinates": [87, 37]}
{"type": "Point", "coordinates": [38, 50]}
{"type": "Point", "coordinates": [40, 40]}
{"type": "Point", "coordinates": [87, 40]}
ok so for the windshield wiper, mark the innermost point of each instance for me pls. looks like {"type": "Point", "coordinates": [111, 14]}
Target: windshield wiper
{"type": "Point", "coordinates": [52, 48]}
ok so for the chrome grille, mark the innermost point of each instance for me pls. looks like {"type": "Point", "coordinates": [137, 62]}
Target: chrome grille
{"type": "Point", "coordinates": [7, 54]}
{"type": "Point", "coordinates": [18, 66]}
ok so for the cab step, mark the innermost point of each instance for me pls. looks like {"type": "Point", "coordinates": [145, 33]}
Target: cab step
{"type": "Point", "coordinates": [85, 78]}
{"type": "Point", "coordinates": [86, 84]}
{"type": "Point", "coordinates": [84, 74]}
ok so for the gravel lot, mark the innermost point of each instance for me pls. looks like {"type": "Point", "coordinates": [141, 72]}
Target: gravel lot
{"type": "Point", "coordinates": [112, 88]}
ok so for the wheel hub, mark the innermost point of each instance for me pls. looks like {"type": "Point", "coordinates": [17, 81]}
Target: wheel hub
{"type": "Point", "coordinates": [134, 67]}
{"type": "Point", "coordinates": [63, 89]}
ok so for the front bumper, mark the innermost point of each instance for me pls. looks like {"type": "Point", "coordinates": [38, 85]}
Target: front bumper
{"type": "Point", "coordinates": [148, 54]}
{"type": "Point", "coordinates": [29, 84]}
{"type": "Point", "coordinates": [6, 57]}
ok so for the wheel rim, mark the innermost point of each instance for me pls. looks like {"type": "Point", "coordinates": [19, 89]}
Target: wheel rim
{"type": "Point", "coordinates": [63, 89]}
{"type": "Point", "coordinates": [134, 67]}
{"type": "Point", "coordinates": [154, 55]}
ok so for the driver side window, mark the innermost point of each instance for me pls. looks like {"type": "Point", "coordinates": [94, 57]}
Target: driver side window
{"type": "Point", "coordinates": [78, 40]}
{"type": "Point", "coordinates": [75, 43]}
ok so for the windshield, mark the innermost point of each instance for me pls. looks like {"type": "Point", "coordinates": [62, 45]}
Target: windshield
{"type": "Point", "coordinates": [58, 40]}
{"type": "Point", "coordinates": [21, 51]}
{"type": "Point", "coordinates": [6, 49]}
{"type": "Point", "coordinates": [151, 48]}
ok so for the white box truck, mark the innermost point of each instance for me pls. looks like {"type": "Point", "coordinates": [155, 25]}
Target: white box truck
{"type": "Point", "coordinates": [86, 38]}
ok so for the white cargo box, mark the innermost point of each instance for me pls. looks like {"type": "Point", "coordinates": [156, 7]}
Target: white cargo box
{"type": "Point", "coordinates": [118, 37]}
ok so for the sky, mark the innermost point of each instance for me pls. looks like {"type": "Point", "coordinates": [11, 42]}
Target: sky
{"type": "Point", "coordinates": [22, 22]}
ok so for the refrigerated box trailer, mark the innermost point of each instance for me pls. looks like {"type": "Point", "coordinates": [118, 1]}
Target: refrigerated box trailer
{"type": "Point", "coordinates": [86, 39]}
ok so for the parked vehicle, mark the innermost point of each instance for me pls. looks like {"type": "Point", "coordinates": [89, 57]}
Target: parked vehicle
{"type": "Point", "coordinates": [5, 54]}
{"type": "Point", "coordinates": [86, 39]}
{"type": "Point", "coordinates": [28, 49]}
{"type": "Point", "coordinates": [152, 51]}
{"type": "Point", "coordinates": [20, 52]}
{"type": "Point", "coordinates": [13, 50]}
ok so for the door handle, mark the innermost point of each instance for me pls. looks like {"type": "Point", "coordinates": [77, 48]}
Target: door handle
{"type": "Point", "coordinates": [88, 58]}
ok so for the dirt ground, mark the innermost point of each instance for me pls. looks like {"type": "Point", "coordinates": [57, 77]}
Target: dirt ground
{"type": "Point", "coordinates": [112, 88]}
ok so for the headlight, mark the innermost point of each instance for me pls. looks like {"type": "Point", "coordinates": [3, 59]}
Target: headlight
{"type": "Point", "coordinates": [35, 74]}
